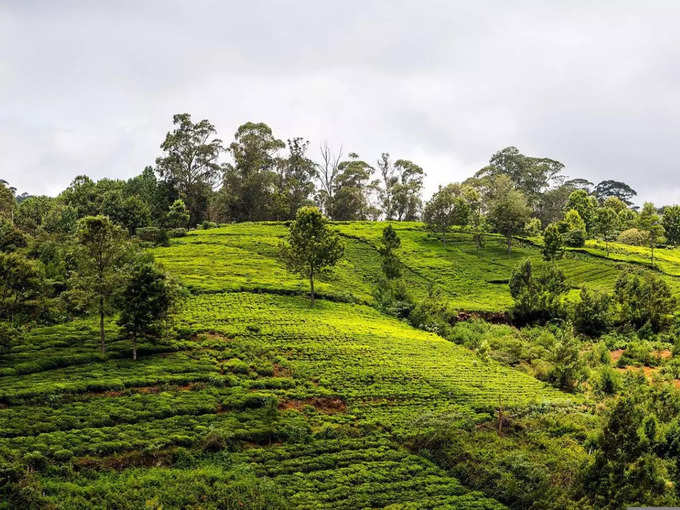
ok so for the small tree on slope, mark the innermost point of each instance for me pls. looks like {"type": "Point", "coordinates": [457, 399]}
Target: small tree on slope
{"type": "Point", "coordinates": [312, 247]}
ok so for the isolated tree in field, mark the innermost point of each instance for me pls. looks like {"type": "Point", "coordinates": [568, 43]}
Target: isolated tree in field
{"type": "Point", "coordinates": [508, 215]}
{"type": "Point", "coordinates": [446, 208]}
{"type": "Point", "coordinates": [145, 303]}
{"type": "Point", "coordinates": [390, 262]}
{"type": "Point", "coordinates": [190, 162]}
{"type": "Point", "coordinates": [620, 190]}
{"type": "Point", "coordinates": [606, 225]}
{"type": "Point", "coordinates": [101, 262]}
{"type": "Point", "coordinates": [178, 215]}
{"type": "Point", "coordinates": [650, 222]}
{"type": "Point", "coordinates": [552, 242]}
{"type": "Point", "coordinates": [671, 224]}
{"type": "Point", "coordinates": [312, 246]}
{"type": "Point", "coordinates": [19, 281]}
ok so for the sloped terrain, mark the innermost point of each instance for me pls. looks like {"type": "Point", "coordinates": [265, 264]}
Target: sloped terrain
{"type": "Point", "coordinates": [259, 401]}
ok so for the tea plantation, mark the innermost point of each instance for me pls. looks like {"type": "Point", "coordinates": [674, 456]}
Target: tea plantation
{"type": "Point", "coordinates": [258, 400]}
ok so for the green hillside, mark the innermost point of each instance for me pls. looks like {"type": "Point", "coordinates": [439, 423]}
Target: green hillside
{"type": "Point", "coordinates": [259, 396]}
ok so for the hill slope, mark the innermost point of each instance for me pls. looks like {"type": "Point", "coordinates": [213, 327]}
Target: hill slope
{"type": "Point", "coordinates": [261, 399]}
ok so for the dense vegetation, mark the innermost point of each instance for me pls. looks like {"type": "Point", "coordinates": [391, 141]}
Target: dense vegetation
{"type": "Point", "coordinates": [204, 336]}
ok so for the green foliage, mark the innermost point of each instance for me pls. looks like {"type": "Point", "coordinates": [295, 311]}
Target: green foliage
{"type": "Point", "coordinates": [145, 304]}
{"type": "Point", "coordinates": [671, 224]}
{"type": "Point", "coordinates": [633, 237]}
{"type": "Point", "coordinates": [20, 280]}
{"type": "Point", "coordinates": [593, 313]}
{"type": "Point", "coordinates": [312, 246]}
{"type": "Point", "coordinates": [178, 216]}
{"type": "Point", "coordinates": [391, 265]}
{"type": "Point", "coordinates": [446, 208]}
{"type": "Point", "coordinates": [586, 206]}
{"type": "Point", "coordinates": [569, 369]}
{"type": "Point", "coordinates": [643, 298]}
{"type": "Point", "coordinates": [650, 223]}
{"type": "Point", "coordinates": [537, 292]}
{"type": "Point", "coordinates": [508, 214]}
{"type": "Point", "coordinates": [190, 162]}
{"type": "Point", "coordinates": [552, 242]}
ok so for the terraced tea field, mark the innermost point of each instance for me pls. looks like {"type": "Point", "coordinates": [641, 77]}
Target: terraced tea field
{"type": "Point", "coordinates": [260, 401]}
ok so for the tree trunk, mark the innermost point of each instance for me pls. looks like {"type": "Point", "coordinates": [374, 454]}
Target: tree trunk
{"type": "Point", "coordinates": [134, 348]}
{"type": "Point", "coordinates": [444, 238]}
{"type": "Point", "coordinates": [509, 245]}
{"type": "Point", "coordinates": [101, 323]}
{"type": "Point", "coordinates": [311, 285]}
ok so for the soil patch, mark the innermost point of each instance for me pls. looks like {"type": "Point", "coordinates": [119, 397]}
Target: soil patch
{"type": "Point", "coordinates": [326, 405]}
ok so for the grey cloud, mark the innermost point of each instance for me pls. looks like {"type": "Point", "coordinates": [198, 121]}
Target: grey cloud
{"type": "Point", "coordinates": [91, 87]}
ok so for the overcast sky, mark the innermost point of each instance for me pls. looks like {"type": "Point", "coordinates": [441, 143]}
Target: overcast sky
{"type": "Point", "coordinates": [90, 87]}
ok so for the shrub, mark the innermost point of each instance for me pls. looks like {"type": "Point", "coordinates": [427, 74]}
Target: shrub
{"type": "Point", "coordinates": [537, 292]}
{"type": "Point", "coordinates": [634, 237]}
{"type": "Point", "coordinates": [574, 238]}
{"type": "Point", "coordinates": [609, 381]}
{"type": "Point", "coordinates": [155, 235]}
{"type": "Point", "coordinates": [208, 225]}
{"type": "Point", "coordinates": [592, 313]}
{"type": "Point", "coordinates": [177, 232]}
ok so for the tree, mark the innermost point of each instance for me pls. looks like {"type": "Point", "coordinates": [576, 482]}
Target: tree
{"type": "Point", "coordinates": [586, 205]}
{"type": "Point", "coordinates": [190, 162]}
{"type": "Point", "coordinates": [11, 238]}
{"type": "Point", "coordinates": [327, 172]}
{"type": "Point", "coordinates": [530, 175]}
{"type": "Point", "coordinates": [643, 298]}
{"type": "Point", "coordinates": [296, 179]}
{"type": "Point", "coordinates": [624, 470]}
{"type": "Point", "coordinates": [606, 225]}
{"type": "Point", "coordinates": [100, 263]}
{"type": "Point", "coordinates": [569, 369]}
{"type": "Point", "coordinates": [476, 218]}
{"type": "Point", "coordinates": [552, 242]}
{"type": "Point", "coordinates": [313, 247]}
{"type": "Point", "coordinates": [650, 222]}
{"type": "Point", "coordinates": [615, 203]}
{"type": "Point", "coordinates": [401, 188]}
{"type": "Point", "coordinates": [446, 208]}
{"type": "Point", "coordinates": [592, 314]}
{"type": "Point", "coordinates": [628, 219]}
{"type": "Point", "coordinates": [508, 214]}
{"type": "Point", "coordinates": [178, 215]}
{"type": "Point", "coordinates": [574, 229]}
{"type": "Point", "coordinates": [19, 281]}
{"type": "Point", "coordinates": [249, 182]}
{"type": "Point", "coordinates": [390, 262]}
{"type": "Point", "coordinates": [617, 189]}
{"type": "Point", "coordinates": [671, 224]}
{"type": "Point", "coordinates": [537, 292]}
{"type": "Point", "coordinates": [129, 212]}
{"type": "Point", "coordinates": [7, 202]}
{"type": "Point", "coordinates": [353, 188]}
{"type": "Point", "coordinates": [145, 304]}
{"type": "Point", "coordinates": [158, 195]}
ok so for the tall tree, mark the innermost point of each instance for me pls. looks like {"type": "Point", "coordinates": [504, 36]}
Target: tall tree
{"type": "Point", "coordinates": [250, 182]}
{"type": "Point", "coordinates": [446, 208]}
{"type": "Point", "coordinates": [650, 222]}
{"type": "Point", "coordinates": [296, 179]}
{"type": "Point", "coordinates": [508, 215]}
{"type": "Point", "coordinates": [552, 242]}
{"type": "Point", "coordinates": [19, 281]}
{"type": "Point", "coordinates": [530, 175]}
{"type": "Point", "coordinates": [190, 162]}
{"type": "Point", "coordinates": [620, 190]}
{"type": "Point", "coordinates": [353, 188]}
{"type": "Point", "coordinates": [390, 262]}
{"type": "Point", "coordinates": [671, 224]}
{"type": "Point", "coordinates": [100, 263]}
{"type": "Point", "coordinates": [178, 215]}
{"type": "Point", "coordinates": [586, 206]}
{"type": "Point", "coordinates": [606, 225]}
{"type": "Point", "coordinates": [7, 201]}
{"type": "Point", "coordinates": [327, 172]}
{"type": "Point", "coordinates": [312, 246]}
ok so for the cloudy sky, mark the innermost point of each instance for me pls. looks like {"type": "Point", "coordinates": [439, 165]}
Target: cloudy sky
{"type": "Point", "coordinates": [90, 87]}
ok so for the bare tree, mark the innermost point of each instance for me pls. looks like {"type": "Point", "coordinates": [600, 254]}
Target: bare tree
{"type": "Point", "coordinates": [328, 170]}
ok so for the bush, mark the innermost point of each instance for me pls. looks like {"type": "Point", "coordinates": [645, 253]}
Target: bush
{"type": "Point", "coordinates": [574, 238]}
{"type": "Point", "coordinates": [537, 292]}
{"type": "Point", "coordinates": [634, 237]}
{"type": "Point", "coordinates": [208, 224]}
{"type": "Point", "coordinates": [592, 313]}
{"type": "Point", "coordinates": [609, 381]}
{"type": "Point", "coordinates": [177, 232]}
{"type": "Point", "coordinates": [8, 335]}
